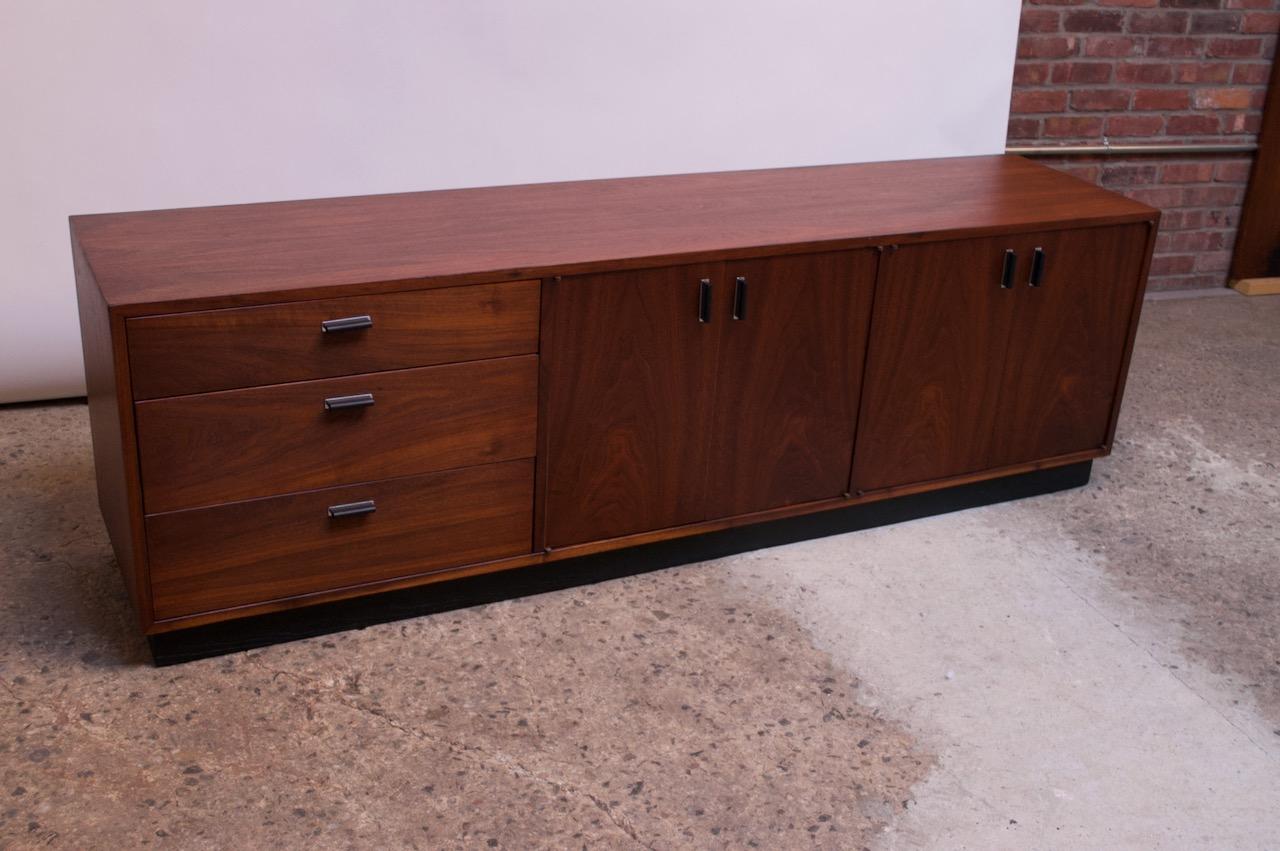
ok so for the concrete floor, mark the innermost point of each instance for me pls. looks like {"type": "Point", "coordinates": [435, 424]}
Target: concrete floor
{"type": "Point", "coordinates": [1093, 669]}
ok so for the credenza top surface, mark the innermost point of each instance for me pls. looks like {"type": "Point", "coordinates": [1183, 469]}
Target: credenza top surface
{"type": "Point", "coordinates": [298, 249]}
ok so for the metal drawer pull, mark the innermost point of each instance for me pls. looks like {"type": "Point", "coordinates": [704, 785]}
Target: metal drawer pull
{"type": "Point", "coordinates": [349, 323]}
{"type": "Point", "coordinates": [359, 400]}
{"type": "Point", "coordinates": [1037, 267]}
{"type": "Point", "coordinates": [740, 298]}
{"type": "Point", "coordinates": [704, 300]}
{"type": "Point", "coordinates": [1010, 264]}
{"type": "Point", "coordinates": [351, 509]}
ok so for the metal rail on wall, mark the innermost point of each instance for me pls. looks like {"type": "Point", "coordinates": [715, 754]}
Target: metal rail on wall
{"type": "Point", "coordinates": [1107, 149]}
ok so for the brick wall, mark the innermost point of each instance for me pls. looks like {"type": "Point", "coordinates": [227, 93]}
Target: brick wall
{"type": "Point", "coordinates": [1145, 71]}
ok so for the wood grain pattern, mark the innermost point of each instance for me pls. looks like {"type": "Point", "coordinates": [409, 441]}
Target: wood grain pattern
{"type": "Point", "coordinates": [1067, 342]}
{"type": "Point", "coordinates": [1257, 249]}
{"type": "Point", "coordinates": [553, 556]}
{"type": "Point", "coordinates": [1135, 314]}
{"type": "Point", "coordinates": [630, 384]}
{"type": "Point", "coordinates": [243, 444]}
{"type": "Point", "coordinates": [247, 254]}
{"type": "Point", "coordinates": [111, 426]}
{"type": "Point", "coordinates": [244, 347]}
{"type": "Point", "coordinates": [213, 558]}
{"type": "Point", "coordinates": [939, 332]}
{"type": "Point", "coordinates": [790, 372]}
{"type": "Point", "coordinates": [649, 424]}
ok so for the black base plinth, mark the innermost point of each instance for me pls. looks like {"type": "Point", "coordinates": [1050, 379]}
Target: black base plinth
{"type": "Point", "coordinates": [261, 630]}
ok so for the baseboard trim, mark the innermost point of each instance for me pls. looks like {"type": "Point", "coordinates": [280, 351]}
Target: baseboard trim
{"type": "Point", "coordinates": [1257, 286]}
{"type": "Point", "coordinates": [216, 639]}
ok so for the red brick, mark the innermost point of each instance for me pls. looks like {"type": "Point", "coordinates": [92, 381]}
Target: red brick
{"type": "Point", "coordinates": [1082, 72]}
{"type": "Point", "coordinates": [1156, 196]}
{"type": "Point", "coordinates": [1135, 125]}
{"type": "Point", "coordinates": [1215, 22]}
{"type": "Point", "coordinates": [1234, 48]}
{"type": "Point", "coordinates": [1261, 22]}
{"type": "Point", "coordinates": [1223, 99]}
{"type": "Point", "coordinates": [1107, 45]}
{"type": "Point", "coordinates": [1213, 261]}
{"type": "Point", "coordinates": [1192, 4]}
{"type": "Point", "coordinates": [1187, 282]}
{"type": "Point", "coordinates": [1099, 100]}
{"type": "Point", "coordinates": [1172, 47]}
{"type": "Point", "coordinates": [1040, 21]}
{"type": "Point", "coordinates": [1143, 3]}
{"type": "Point", "coordinates": [1212, 196]}
{"type": "Point", "coordinates": [1047, 47]}
{"type": "Point", "coordinates": [1144, 72]}
{"type": "Point", "coordinates": [1030, 73]}
{"type": "Point", "coordinates": [1129, 175]}
{"type": "Point", "coordinates": [1204, 240]}
{"type": "Point", "coordinates": [1172, 264]}
{"type": "Point", "coordinates": [1057, 2]}
{"type": "Point", "coordinates": [1093, 21]}
{"type": "Point", "coordinates": [1039, 100]}
{"type": "Point", "coordinates": [1241, 122]}
{"type": "Point", "coordinates": [1182, 220]}
{"type": "Point", "coordinates": [1251, 73]}
{"type": "Point", "coordinates": [1192, 125]}
{"type": "Point", "coordinates": [1202, 72]}
{"type": "Point", "coordinates": [1232, 172]}
{"type": "Point", "coordinates": [1072, 126]}
{"type": "Point", "coordinates": [1249, 4]}
{"type": "Point", "coordinates": [1187, 173]}
{"type": "Point", "coordinates": [1159, 22]}
{"type": "Point", "coordinates": [1024, 128]}
{"type": "Point", "coordinates": [1162, 99]}
{"type": "Point", "coordinates": [1222, 218]}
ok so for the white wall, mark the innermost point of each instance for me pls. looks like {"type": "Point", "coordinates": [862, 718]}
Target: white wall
{"type": "Point", "coordinates": [137, 104]}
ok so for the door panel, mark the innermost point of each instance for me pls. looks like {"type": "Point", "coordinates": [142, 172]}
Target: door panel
{"type": "Point", "coordinates": [630, 380]}
{"type": "Point", "coordinates": [790, 370]}
{"type": "Point", "coordinates": [1068, 341]}
{"type": "Point", "coordinates": [939, 332]}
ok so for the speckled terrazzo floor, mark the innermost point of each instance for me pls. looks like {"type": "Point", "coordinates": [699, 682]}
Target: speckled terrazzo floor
{"type": "Point", "coordinates": [1097, 668]}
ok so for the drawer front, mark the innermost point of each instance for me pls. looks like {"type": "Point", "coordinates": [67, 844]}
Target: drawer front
{"type": "Point", "coordinates": [244, 444]}
{"type": "Point", "coordinates": [245, 347]}
{"type": "Point", "coordinates": [233, 555]}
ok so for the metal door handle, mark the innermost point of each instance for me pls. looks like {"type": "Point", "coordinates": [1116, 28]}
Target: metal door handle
{"type": "Point", "coordinates": [351, 509]}
{"type": "Point", "coordinates": [1010, 265]}
{"type": "Point", "coordinates": [704, 300]}
{"type": "Point", "coordinates": [1037, 267]}
{"type": "Point", "coordinates": [359, 400]}
{"type": "Point", "coordinates": [348, 323]}
{"type": "Point", "coordinates": [740, 298]}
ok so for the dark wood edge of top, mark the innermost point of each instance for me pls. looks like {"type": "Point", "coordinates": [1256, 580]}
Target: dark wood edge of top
{"type": "Point", "coordinates": [357, 288]}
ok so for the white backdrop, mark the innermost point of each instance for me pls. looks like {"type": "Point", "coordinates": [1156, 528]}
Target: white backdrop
{"type": "Point", "coordinates": [138, 104]}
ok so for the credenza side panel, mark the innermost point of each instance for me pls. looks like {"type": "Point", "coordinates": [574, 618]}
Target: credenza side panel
{"type": "Point", "coordinates": [111, 425]}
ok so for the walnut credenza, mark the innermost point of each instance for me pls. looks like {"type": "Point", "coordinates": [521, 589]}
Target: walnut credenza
{"type": "Point", "coordinates": [298, 402]}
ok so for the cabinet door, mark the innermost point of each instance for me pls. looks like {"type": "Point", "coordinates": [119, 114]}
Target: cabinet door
{"type": "Point", "coordinates": [939, 333]}
{"type": "Point", "coordinates": [629, 375]}
{"type": "Point", "coordinates": [1069, 334]}
{"type": "Point", "coordinates": [794, 336]}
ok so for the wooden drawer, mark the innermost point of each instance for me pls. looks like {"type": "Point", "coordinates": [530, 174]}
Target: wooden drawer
{"type": "Point", "coordinates": [232, 555]}
{"type": "Point", "coordinates": [244, 444]}
{"type": "Point", "coordinates": [248, 346]}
